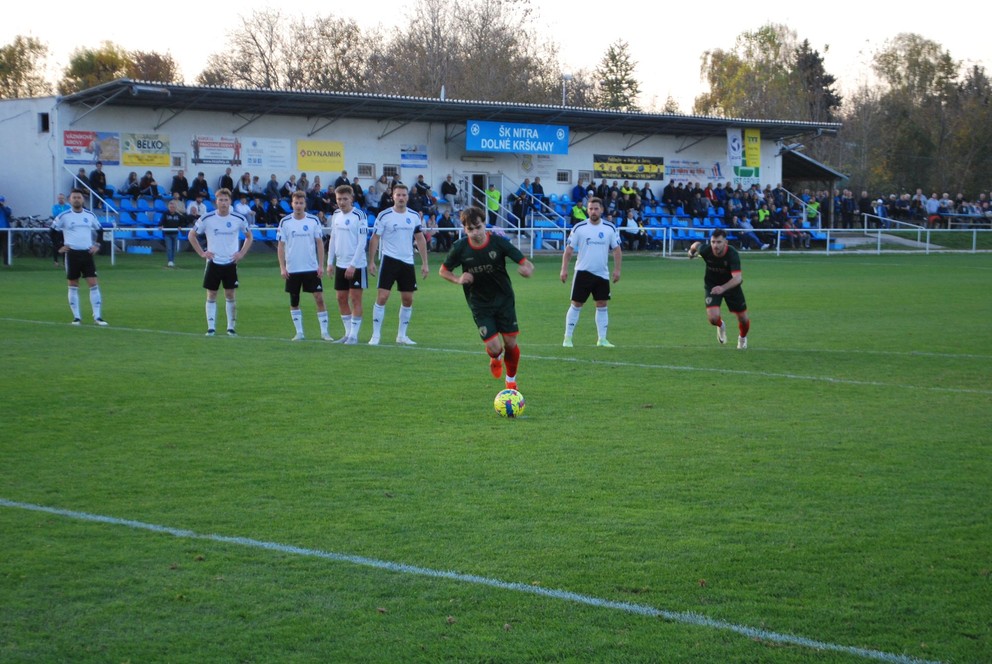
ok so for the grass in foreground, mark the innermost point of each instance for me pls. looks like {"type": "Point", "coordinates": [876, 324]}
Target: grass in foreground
{"type": "Point", "coordinates": [831, 482]}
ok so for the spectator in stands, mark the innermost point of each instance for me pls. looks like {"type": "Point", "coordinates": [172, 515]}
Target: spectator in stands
{"type": "Point", "coordinates": [275, 213]}
{"type": "Point", "coordinates": [199, 186]}
{"type": "Point", "coordinates": [579, 191]}
{"type": "Point", "coordinates": [256, 186]}
{"type": "Point", "coordinates": [603, 190]}
{"type": "Point", "coordinates": [180, 185]}
{"type": "Point", "coordinates": [81, 180]}
{"type": "Point", "coordinates": [578, 212]}
{"type": "Point", "coordinates": [848, 207]}
{"type": "Point", "coordinates": [303, 183]}
{"type": "Point", "coordinates": [343, 180]}
{"type": "Point", "coordinates": [633, 233]}
{"type": "Point", "coordinates": [380, 187]}
{"type": "Point", "coordinates": [148, 186]}
{"type": "Point", "coordinates": [258, 210]}
{"type": "Point", "coordinates": [647, 196]}
{"type": "Point", "coordinates": [933, 210]}
{"type": "Point", "coordinates": [865, 206]}
{"type": "Point", "coordinates": [358, 193]}
{"type": "Point", "coordinates": [226, 181]}
{"type": "Point", "coordinates": [493, 200]}
{"type": "Point", "coordinates": [172, 221]}
{"type": "Point", "coordinates": [315, 201]}
{"type": "Point", "coordinates": [195, 207]}
{"type": "Point", "coordinates": [668, 197]}
{"type": "Point", "coordinates": [98, 183]}
{"type": "Point", "coordinates": [626, 191]}
{"type": "Point", "coordinates": [747, 233]}
{"type": "Point", "coordinates": [523, 194]}
{"type": "Point", "coordinates": [242, 208]}
{"type": "Point", "coordinates": [445, 238]}
{"type": "Point", "coordinates": [537, 191]}
{"type": "Point", "coordinates": [243, 186]}
{"type": "Point", "coordinates": [55, 235]}
{"type": "Point", "coordinates": [881, 211]}
{"type": "Point", "coordinates": [131, 186]}
{"type": "Point", "coordinates": [271, 189]}
{"type": "Point", "coordinates": [288, 187]}
{"type": "Point", "coordinates": [449, 191]}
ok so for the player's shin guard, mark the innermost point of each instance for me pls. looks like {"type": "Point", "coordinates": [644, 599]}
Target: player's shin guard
{"type": "Point", "coordinates": [74, 300]}
{"type": "Point", "coordinates": [231, 309]}
{"type": "Point", "coordinates": [96, 302]}
{"type": "Point", "coordinates": [511, 358]}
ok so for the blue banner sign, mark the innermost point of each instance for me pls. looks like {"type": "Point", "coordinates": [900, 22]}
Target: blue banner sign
{"type": "Point", "coordinates": [514, 137]}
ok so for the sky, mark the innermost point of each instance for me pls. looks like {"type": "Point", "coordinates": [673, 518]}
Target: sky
{"type": "Point", "coordinates": [666, 42]}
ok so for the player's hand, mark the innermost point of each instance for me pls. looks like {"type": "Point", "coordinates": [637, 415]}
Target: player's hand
{"type": "Point", "coordinates": [564, 275]}
{"type": "Point", "coordinates": [717, 290]}
{"type": "Point", "coordinates": [285, 273]}
{"type": "Point", "coordinates": [320, 271]}
{"type": "Point", "coordinates": [209, 255]}
{"type": "Point", "coordinates": [371, 269]}
{"type": "Point", "coordinates": [349, 272]}
{"type": "Point", "coordinates": [526, 269]}
{"type": "Point", "coordinates": [616, 276]}
{"type": "Point", "coordinates": [95, 248]}
{"type": "Point", "coordinates": [466, 278]}
{"type": "Point", "coordinates": [425, 270]}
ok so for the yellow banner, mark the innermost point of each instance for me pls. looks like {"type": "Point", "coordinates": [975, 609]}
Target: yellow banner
{"type": "Point", "coordinates": [145, 150]}
{"type": "Point", "coordinates": [320, 156]}
{"type": "Point", "coordinates": [752, 148]}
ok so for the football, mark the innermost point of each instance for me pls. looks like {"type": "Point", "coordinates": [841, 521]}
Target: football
{"type": "Point", "coordinates": [509, 403]}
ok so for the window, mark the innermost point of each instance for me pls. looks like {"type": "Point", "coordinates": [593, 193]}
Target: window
{"type": "Point", "coordinates": [44, 125]}
{"type": "Point", "coordinates": [391, 171]}
{"type": "Point", "coordinates": [564, 176]}
{"type": "Point", "coordinates": [366, 171]}
{"type": "Point", "coordinates": [585, 176]}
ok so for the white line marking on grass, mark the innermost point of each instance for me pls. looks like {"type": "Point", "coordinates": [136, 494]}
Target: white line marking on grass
{"type": "Point", "coordinates": [610, 363]}
{"type": "Point", "coordinates": [683, 617]}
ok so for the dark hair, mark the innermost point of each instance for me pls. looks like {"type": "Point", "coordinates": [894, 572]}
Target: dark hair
{"type": "Point", "coordinates": [472, 214]}
{"type": "Point", "coordinates": [718, 232]}
{"type": "Point", "coordinates": [595, 199]}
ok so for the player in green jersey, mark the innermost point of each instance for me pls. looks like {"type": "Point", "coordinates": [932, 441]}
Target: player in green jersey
{"type": "Point", "coordinates": [488, 291]}
{"type": "Point", "coordinates": [723, 282]}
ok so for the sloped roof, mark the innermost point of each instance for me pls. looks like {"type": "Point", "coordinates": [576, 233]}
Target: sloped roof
{"type": "Point", "coordinates": [324, 108]}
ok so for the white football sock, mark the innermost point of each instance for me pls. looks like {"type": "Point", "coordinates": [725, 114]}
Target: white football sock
{"type": "Point", "coordinates": [297, 317]}
{"type": "Point", "coordinates": [231, 309]}
{"type": "Point", "coordinates": [211, 315]}
{"type": "Point", "coordinates": [96, 301]}
{"type": "Point", "coordinates": [572, 319]}
{"type": "Point", "coordinates": [602, 321]}
{"type": "Point", "coordinates": [74, 300]}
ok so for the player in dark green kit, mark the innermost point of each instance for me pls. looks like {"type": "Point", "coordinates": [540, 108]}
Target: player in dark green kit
{"type": "Point", "coordinates": [723, 282]}
{"type": "Point", "coordinates": [488, 291]}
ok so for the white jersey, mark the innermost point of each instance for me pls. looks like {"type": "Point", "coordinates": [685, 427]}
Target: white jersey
{"type": "Point", "coordinates": [223, 234]}
{"type": "Point", "coordinates": [396, 231]}
{"type": "Point", "coordinates": [349, 235]}
{"type": "Point", "coordinates": [299, 238]}
{"type": "Point", "coordinates": [78, 228]}
{"type": "Point", "coordinates": [593, 243]}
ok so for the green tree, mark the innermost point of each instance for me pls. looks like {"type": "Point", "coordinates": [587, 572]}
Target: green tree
{"type": "Point", "coordinates": [768, 74]}
{"type": "Point", "coordinates": [22, 64]}
{"type": "Point", "coordinates": [90, 67]}
{"type": "Point", "coordinates": [151, 66]}
{"type": "Point", "coordinates": [617, 89]}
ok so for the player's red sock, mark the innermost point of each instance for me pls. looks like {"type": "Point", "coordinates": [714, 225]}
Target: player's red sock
{"type": "Point", "coordinates": [511, 357]}
{"type": "Point", "coordinates": [744, 326]}
{"type": "Point", "coordinates": [718, 323]}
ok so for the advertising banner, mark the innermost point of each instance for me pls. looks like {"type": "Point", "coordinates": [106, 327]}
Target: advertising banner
{"type": "Point", "coordinates": [267, 154]}
{"type": "Point", "coordinates": [89, 147]}
{"type": "Point", "coordinates": [744, 156]}
{"type": "Point", "coordinates": [320, 156]}
{"type": "Point", "coordinates": [146, 150]}
{"type": "Point", "coordinates": [413, 156]}
{"type": "Point", "coordinates": [225, 150]}
{"type": "Point", "coordinates": [628, 167]}
{"type": "Point", "coordinates": [481, 136]}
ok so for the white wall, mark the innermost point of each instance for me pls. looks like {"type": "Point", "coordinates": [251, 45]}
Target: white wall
{"type": "Point", "coordinates": [31, 171]}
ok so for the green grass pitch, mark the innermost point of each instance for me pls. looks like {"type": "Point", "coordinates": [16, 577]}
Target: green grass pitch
{"type": "Point", "coordinates": [831, 483]}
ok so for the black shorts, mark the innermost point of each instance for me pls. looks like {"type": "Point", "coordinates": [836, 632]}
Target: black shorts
{"type": "Point", "coordinates": [585, 284]}
{"type": "Point", "coordinates": [216, 275]}
{"type": "Point", "coordinates": [79, 263]}
{"type": "Point", "coordinates": [309, 282]}
{"type": "Point", "coordinates": [496, 320]}
{"type": "Point", "coordinates": [395, 271]}
{"type": "Point", "coordinates": [734, 297]}
{"type": "Point", "coordinates": [359, 280]}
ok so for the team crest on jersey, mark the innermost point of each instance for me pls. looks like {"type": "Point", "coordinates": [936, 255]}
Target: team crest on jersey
{"type": "Point", "coordinates": [492, 255]}
{"type": "Point", "coordinates": [483, 331]}
{"type": "Point", "coordinates": [306, 228]}
{"type": "Point", "coordinates": [709, 300]}
{"type": "Point", "coordinates": [601, 236]}
{"type": "Point", "coordinates": [228, 224]}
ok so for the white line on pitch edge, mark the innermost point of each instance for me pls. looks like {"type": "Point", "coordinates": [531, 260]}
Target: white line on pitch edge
{"type": "Point", "coordinates": [683, 617]}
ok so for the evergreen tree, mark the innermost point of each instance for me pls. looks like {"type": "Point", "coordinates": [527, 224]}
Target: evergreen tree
{"type": "Point", "coordinates": [618, 89]}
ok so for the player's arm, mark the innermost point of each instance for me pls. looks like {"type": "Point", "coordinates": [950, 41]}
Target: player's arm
{"type": "Point", "coordinates": [463, 279]}
{"type": "Point", "coordinates": [246, 246]}
{"type": "Point", "coordinates": [194, 242]}
{"type": "Point", "coordinates": [281, 253]}
{"type": "Point", "coordinates": [735, 280]}
{"type": "Point", "coordinates": [421, 242]}
{"type": "Point", "coordinates": [330, 251]}
{"type": "Point", "coordinates": [525, 268]}
{"type": "Point", "coordinates": [320, 255]}
{"type": "Point", "coordinates": [565, 258]}
{"type": "Point", "coordinates": [617, 260]}
{"type": "Point", "coordinates": [694, 249]}
{"type": "Point", "coordinates": [373, 248]}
